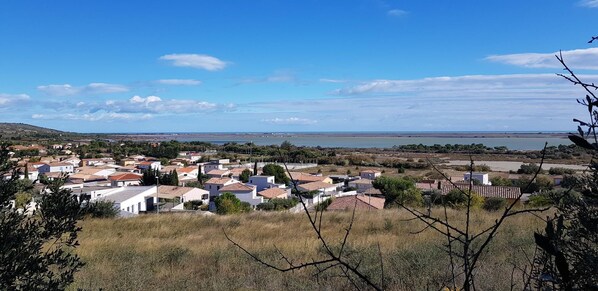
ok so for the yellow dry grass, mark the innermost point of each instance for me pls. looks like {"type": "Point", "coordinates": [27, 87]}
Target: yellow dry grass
{"type": "Point", "coordinates": [190, 252]}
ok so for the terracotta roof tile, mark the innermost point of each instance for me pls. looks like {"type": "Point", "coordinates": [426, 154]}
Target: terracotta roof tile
{"type": "Point", "coordinates": [360, 202]}
{"type": "Point", "coordinates": [314, 186]}
{"type": "Point", "coordinates": [485, 191]}
{"type": "Point", "coordinates": [273, 193]}
{"type": "Point", "coordinates": [124, 177]}
{"type": "Point", "coordinates": [218, 181]}
{"type": "Point", "coordinates": [236, 187]}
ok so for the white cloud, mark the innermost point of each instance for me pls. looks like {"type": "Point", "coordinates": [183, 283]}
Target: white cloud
{"type": "Point", "coordinates": [185, 82]}
{"type": "Point", "coordinates": [97, 116]}
{"type": "Point", "coordinates": [7, 100]}
{"type": "Point", "coordinates": [156, 105]}
{"type": "Point", "coordinates": [397, 12]}
{"type": "Point", "coordinates": [477, 86]}
{"type": "Point", "coordinates": [290, 121]}
{"type": "Point", "coordinates": [90, 89]}
{"type": "Point", "coordinates": [279, 76]}
{"type": "Point", "coordinates": [146, 100]}
{"type": "Point", "coordinates": [576, 59]}
{"type": "Point", "coordinates": [197, 61]}
{"type": "Point", "coordinates": [324, 80]}
{"type": "Point", "coordinates": [589, 3]}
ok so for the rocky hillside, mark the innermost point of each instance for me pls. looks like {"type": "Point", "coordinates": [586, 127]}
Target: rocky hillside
{"type": "Point", "coordinates": [8, 130]}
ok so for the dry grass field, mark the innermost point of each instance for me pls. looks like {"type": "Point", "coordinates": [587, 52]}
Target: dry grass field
{"type": "Point", "coordinates": [190, 252]}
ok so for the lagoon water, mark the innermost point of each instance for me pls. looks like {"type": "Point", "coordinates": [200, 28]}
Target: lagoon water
{"type": "Point", "coordinates": [527, 142]}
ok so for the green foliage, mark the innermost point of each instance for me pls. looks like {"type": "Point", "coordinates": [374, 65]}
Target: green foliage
{"type": "Point", "coordinates": [278, 204]}
{"type": "Point", "coordinates": [244, 177]}
{"type": "Point", "coordinates": [476, 168]}
{"type": "Point", "coordinates": [541, 183]}
{"type": "Point", "coordinates": [37, 252]}
{"type": "Point", "coordinates": [277, 171]}
{"type": "Point", "coordinates": [494, 203]}
{"type": "Point", "coordinates": [228, 203]}
{"type": "Point", "coordinates": [570, 239]}
{"type": "Point", "coordinates": [458, 199]}
{"type": "Point", "coordinates": [560, 171]}
{"type": "Point", "coordinates": [398, 191]}
{"type": "Point", "coordinates": [22, 199]}
{"type": "Point", "coordinates": [540, 200]}
{"type": "Point", "coordinates": [101, 209]}
{"type": "Point", "coordinates": [500, 181]}
{"type": "Point", "coordinates": [286, 145]}
{"type": "Point", "coordinates": [529, 169]}
{"type": "Point", "coordinates": [148, 177]}
{"type": "Point", "coordinates": [324, 204]}
{"type": "Point", "coordinates": [192, 205]}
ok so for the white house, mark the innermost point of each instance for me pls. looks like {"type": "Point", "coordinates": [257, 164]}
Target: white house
{"type": "Point", "coordinates": [321, 191]}
{"type": "Point", "coordinates": [321, 187]}
{"type": "Point", "coordinates": [132, 199]}
{"type": "Point", "coordinates": [214, 184]}
{"type": "Point", "coordinates": [481, 177]}
{"type": "Point", "coordinates": [184, 193]}
{"type": "Point", "coordinates": [55, 168]}
{"type": "Point", "coordinates": [154, 165]}
{"type": "Point", "coordinates": [125, 179]}
{"type": "Point", "coordinates": [245, 193]}
{"type": "Point", "coordinates": [32, 172]}
{"type": "Point", "coordinates": [370, 174]}
{"type": "Point", "coordinates": [361, 185]}
{"type": "Point", "coordinates": [264, 182]}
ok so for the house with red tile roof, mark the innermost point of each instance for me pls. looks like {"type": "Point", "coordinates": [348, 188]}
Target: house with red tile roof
{"type": "Point", "coordinates": [218, 173]}
{"type": "Point", "coordinates": [274, 193]}
{"type": "Point", "coordinates": [506, 192]}
{"type": "Point", "coordinates": [303, 178]}
{"type": "Point", "coordinates": [359, 202]}
{"type": "Point", "coordinates": [124, 179]}
{"type": "Point", "coordinates": [214, 184]}
{"type": "Point", "coordinates": [317, 186]}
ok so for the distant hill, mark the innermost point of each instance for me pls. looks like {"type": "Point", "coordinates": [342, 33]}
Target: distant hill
{"type": "Point", "coordinates": [27, 130]}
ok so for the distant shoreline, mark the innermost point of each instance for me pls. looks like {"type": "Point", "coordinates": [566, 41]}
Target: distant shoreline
{"type": "Point", "coordinates": [351, 134]}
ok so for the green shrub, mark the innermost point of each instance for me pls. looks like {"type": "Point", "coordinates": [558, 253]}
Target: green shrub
{"type": "Point", "coordinates": [228, 203]}
{"type": "Point", "coordinates": [192, 205]}
{"type": "Point", "coordinates": [457, 198]}
{"type": "Point", "coordinates": [323, 205]}
{"type": "Point", "coordinates": [494, 203]}
{"type": "Point", "coordinates": [560, 171]}
{"type": "Point", "coordinates": [102, 209]}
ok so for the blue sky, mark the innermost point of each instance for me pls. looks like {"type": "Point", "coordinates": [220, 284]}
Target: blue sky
{"type": "Point", "coordinates": [304, 65]}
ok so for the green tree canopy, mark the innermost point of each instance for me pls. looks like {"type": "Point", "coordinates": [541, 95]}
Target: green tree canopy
{"type": "Point", "coordinates": [244, 177]}
{"type": "Point", "coordinates": [398, 190]}
{"type": "Point", "coordinates": [36, 251]}
{"type": "Point", "coordinates": [277, 171]}
{"type": "Point", "coordinates": [228, 203]}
